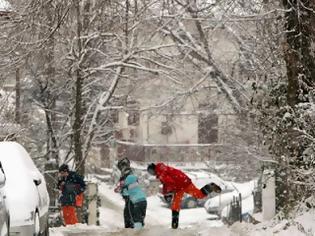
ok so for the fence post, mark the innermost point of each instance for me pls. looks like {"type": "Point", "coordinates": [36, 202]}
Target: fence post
{"type": "Point", "coordinates": [269, 194]}
{"type": "Point", "coordinates": [240, 206]}
{"type": "Point", "coordinates": [92, 203]}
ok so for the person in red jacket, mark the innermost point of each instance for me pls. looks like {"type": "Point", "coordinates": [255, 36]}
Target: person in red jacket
{"type": "Point", "coordinates": [177, 183]}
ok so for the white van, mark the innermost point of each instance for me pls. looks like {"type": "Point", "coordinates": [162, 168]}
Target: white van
{"type": "Point", "coordinates": [26, 192]}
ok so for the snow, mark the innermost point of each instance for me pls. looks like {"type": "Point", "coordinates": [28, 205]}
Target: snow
{"type": "Point", "coordinates": [4, 6]}
{"type": "Point", "coordinates": [192, 221]}
{"type": "Point", "coordinates": [157, 212]}
{"type": "Point", "coordinates": [301, 225]}
{"type": "Point", "coordinates": [20, 172]}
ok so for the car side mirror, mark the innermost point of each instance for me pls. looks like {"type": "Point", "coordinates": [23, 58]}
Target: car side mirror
{"type": "Point", "coordinates": [37, 181]}
{"type": "Point", "coordinates": [2, 178]}
{"type": "Point", "coordinates": [36, 178]}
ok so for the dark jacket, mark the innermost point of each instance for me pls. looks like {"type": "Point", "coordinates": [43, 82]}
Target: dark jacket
{"type": "Point", "coordinates": [70, 187]}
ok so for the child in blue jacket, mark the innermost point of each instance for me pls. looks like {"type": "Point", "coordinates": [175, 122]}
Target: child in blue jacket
{"type": "Point", "coordinates": [135, 197]}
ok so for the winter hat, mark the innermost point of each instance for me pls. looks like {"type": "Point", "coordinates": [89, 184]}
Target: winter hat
{"type": "Point", "coordinates": [123, 164]}
{"type": "Point", "coordinates": [151, 168]}
{"type": "Point", "coordinates": [64, 168]}
{"type": "Point", "coordinates": [125, 171]}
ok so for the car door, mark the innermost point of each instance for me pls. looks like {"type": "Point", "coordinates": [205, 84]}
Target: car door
{"type": "Point", "coordinates": [3, 209]}
{"type": "Point", "coordinates": [40, 183]}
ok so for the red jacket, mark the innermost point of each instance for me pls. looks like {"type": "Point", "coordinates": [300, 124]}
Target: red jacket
{"type": "Point", "coordinates": [173, 180]}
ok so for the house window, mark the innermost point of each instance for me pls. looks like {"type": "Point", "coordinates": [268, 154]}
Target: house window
{"type": "Point", "coordinates": [166, 129]}
{"type": "Point", "coordinates": [208, 128]}
{"type": "Point", "coordinates": [114, 116]}
{"type": "Point", "coordinates": [134, 118]}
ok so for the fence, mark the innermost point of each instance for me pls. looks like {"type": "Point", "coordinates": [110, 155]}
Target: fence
{"type": "Point", "coordinates": [234, 210]}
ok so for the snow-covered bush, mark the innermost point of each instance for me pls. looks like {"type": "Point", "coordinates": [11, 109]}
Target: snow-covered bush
{"type": "Point", "coordinates": [290, 134]}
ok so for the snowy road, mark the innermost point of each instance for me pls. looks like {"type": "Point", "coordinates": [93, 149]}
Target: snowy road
{"type": "Point", "coordinates": [192, 221]}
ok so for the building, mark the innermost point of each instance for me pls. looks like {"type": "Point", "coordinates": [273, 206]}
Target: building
{"type": "Point", "coordinates": [200, 126]}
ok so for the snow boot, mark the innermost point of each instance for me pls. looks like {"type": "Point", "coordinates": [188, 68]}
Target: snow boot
{"type": "Point", "coordinates": [175, 216]}
{"type": "Point", "coordinates": [212, 187]}
{"type": "Point", "coordinates": [206, 190]}
{"type": "Point", "coordinates": [138, 225]}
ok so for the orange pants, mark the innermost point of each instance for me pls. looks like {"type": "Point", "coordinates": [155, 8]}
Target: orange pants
{"type": "Point", "coordinates": [79, 200]}
{"type": "Point", "coordinates": [70, 215]}
{"type": "Point", "coordinates": [190, 189]}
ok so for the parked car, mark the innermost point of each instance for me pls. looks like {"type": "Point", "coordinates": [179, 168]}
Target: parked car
{"type": "Point", "coordinates": [200, 179]}
{"type": "Point", "coordinates": [216, 204]}
{"type": "Point", "coordinates": [26, 191]}
{"type": "Point", "coordinates": [4, 212]}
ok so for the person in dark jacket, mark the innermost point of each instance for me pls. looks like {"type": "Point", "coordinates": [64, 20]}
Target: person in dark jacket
{"type": "Point", "coordinates": [72, 186]}
{"type": "Point", "coordinates": [175, 184]}
{"type": "Point", "coordinates": [135, 197]}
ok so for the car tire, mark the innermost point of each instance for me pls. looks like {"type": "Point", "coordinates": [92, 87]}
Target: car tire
{"type": "Point", "coordinates": [8, 227]}
{"type": "Point", "coordinates": [5, 231]}
{"type": "Point", "coordinates": [191, 203]}
{"type": "Point", "coordinates": [46, 232]}
{"type": "Point", "coordinates": [36, 225]}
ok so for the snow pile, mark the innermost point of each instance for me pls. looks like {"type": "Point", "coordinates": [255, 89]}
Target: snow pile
{"type": "Point", "coordinates": [84, 230]}
{"type": "Point", "coordinates": [80, 229]}
{"type": "Point", "coordinates": [301, 225]}
{"type": "Point", "coordinates": [4, 6]}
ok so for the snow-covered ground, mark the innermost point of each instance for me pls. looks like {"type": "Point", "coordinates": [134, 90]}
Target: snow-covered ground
{"type": "Point", "coordinates": [192, 222]}
{"type": "Point", "coordinates": [158, 219]}
{"type": "Point", "coordinates": [301, 225]}
{"type": "Point", "coordinates": [157, 214]}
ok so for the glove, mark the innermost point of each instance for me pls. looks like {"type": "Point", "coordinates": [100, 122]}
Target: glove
{"type": "Point", "coordinates": [175, 216]}
{"type": "Point", "coordinates": [117, 189]}
{"type": "Point", "coordinates": [168, 197]}
{"type": "Point", "coordinates": [119, 186]}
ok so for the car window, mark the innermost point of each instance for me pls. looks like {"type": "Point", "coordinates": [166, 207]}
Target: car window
{"type": "Point", "coordinates": [2, 175]}
{"type": "Point", "coordinates": [1, 169]}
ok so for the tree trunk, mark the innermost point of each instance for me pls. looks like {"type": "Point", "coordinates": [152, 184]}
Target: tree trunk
{"type": "Point", "coordinates": [300, 65]}
{"type": "Point", "coordinates": [77, 126]}
{"type": "Point", "coordinates": [299, 52]}
{"type": "Point", "coordinates": [17, 96]}
{"type": "Point", "coordinates": [49, 101]}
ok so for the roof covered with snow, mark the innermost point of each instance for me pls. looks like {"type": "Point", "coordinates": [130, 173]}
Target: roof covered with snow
{"type": "Point", "coordinates": [5, 6]}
